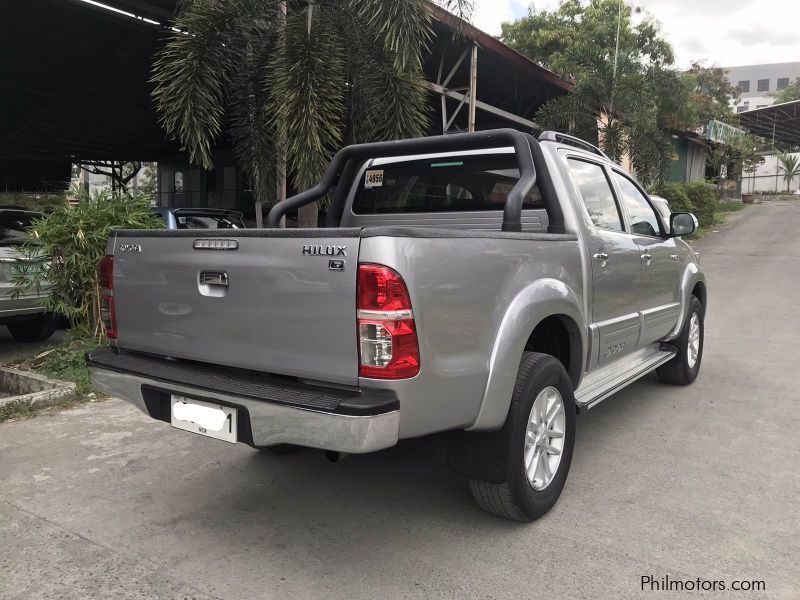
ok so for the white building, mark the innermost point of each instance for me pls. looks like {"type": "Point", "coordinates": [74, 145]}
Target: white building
{"type": "Point", "coordinates": [769, 178]}
{"type": "Point", "coordinates": [758, 84]}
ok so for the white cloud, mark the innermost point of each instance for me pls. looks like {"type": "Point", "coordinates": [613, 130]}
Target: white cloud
{"type": "Point", "coordinates": [715, 31]}
{"type": "Point", "coordinates": [489, 14]}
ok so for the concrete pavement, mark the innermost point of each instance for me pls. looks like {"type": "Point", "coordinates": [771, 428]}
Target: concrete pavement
{"type": "Point", "coordinates": [691, 482]}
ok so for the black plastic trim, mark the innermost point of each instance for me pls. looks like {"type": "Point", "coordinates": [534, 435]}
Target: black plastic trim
{"type": "Point", "coordinates": [314, 232]}
{"type": "Point", "coordinates": [246, 384]}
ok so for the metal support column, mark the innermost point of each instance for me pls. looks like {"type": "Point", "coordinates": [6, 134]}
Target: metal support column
{"type": "Point", "coordinates": [473, 86]}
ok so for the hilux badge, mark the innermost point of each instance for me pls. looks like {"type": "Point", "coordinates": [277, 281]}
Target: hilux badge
{"type": "Point", "coordinates": [309, 250]}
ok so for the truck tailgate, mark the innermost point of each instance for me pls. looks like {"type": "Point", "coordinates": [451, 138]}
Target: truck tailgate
{"type": "Point", "coordinates": [277, 303]}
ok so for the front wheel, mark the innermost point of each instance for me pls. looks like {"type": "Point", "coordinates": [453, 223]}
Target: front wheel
{"type": "Point", "coordinates": [37, 329]}
{"type": "Point", "coordinates": [684, 367]}
{"type": "Point", "coordinates": [539, 435]}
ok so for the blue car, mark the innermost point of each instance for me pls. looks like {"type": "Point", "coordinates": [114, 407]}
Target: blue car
{"type": "Point", "coordinates": [200, 218]}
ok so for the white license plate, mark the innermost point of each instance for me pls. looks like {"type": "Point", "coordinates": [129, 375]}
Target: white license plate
{"type": "Point", "coordinates": [204, 418]}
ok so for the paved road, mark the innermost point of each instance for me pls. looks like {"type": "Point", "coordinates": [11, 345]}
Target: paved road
{"type": "Point", "coordinates": [680, 482]}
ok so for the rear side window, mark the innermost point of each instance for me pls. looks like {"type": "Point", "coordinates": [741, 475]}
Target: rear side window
{"type": "Point", "coordinates": [208, 222]}
{"type": "Point", "coordinates": [452, 184]}
{"type": "Point", "coordinates": [596, 194]}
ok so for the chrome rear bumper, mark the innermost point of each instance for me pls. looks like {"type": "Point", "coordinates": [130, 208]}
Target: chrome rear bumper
{"type": "Point", "coordinates": [261, 423]}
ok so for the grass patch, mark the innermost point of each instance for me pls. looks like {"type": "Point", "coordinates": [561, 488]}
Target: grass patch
{"type": "Point", "coordinates": [721, 212]}
{"type": "Point", "coordinates": [16, 410]}
{"type": "Point", "coordinates": [63, 361]}
{"type": "Point", "coordinates": [727, 207]}
{"type": "Point", "coordinates": [67, 362]}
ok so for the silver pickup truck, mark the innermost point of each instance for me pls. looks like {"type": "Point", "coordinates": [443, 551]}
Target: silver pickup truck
{"type": "Point", "coordinates": [489, 285]}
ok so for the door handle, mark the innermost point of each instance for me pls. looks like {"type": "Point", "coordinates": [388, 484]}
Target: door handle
{"type": "Point", "coordinates": [602, 257]}
{"type": "Point", "coordinates": [214, 278]}
{"type": "Point", "coordinates": [647, 258]}
{"type": "Point", "coordinates": [674, 257]}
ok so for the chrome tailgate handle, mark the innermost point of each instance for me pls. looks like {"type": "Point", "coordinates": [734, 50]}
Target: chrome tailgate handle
{"type": "Point", "coordinates": [214, 278]}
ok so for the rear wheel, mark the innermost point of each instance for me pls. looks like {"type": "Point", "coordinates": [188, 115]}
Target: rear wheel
{"type": "Point", "coordinates": [37, 329]}
{"type": "Point", "coordinates": [684, 367]}
{"type": "Point", "coordinates": [539, 436]}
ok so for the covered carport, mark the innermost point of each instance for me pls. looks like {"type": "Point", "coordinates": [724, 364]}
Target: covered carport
{"type": "Point", "coordinates": [779, 124]}
{"type": "Point", "coordinates": [76, 87]}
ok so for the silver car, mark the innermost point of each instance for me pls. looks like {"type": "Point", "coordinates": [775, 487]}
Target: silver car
{"type": "Point", "coordinates": [22, 314]}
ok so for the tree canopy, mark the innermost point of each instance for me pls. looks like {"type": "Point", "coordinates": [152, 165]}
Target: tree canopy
{"type": "Point", "coordinates": [790, 93]}
{"type": "Point", "coordinates": [293, 81]}
{"type": "Point", "coordinates": [622, 68]}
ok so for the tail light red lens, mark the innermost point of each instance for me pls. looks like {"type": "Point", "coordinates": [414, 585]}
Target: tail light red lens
{"type": "Point", "coordinates": [106, 283]}
{"type": "Point", "coordinates": [387, 334]}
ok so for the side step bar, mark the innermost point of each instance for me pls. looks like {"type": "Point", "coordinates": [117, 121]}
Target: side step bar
{"type": "Point", "coordinates": [603, 382]}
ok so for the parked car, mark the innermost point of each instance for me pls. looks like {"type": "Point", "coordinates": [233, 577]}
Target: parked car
{"type": "Point", "coordinates": [489, 285]}
{"type": "Point", "coordinates": [200, 218]}
{"type": "Point", "coordinates": [22, 314]}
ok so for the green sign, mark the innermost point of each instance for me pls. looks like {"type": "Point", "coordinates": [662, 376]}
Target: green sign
{"type": "Point", "coordinates": [722, 133]}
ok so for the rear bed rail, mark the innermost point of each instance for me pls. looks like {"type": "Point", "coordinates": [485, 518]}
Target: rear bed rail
{"type": "Point", "coordinates": [530, 160]}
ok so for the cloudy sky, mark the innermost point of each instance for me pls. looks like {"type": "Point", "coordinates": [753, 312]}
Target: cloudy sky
{"type": "Point", "coordinates": [723, 32]}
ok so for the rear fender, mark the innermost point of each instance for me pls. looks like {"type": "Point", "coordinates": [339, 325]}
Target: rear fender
{"type": "Point", "coordinates": [541, 299]}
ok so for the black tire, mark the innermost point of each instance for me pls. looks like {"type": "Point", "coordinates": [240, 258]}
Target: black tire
{"type": "Point", "coordinates": [677, 371]}
{"type": "Point", "coordinates": [37, 329]}
{"type": "Point", "coordinates": [515, 498]}
{"type": "Point", "coordinates": [282, 449]}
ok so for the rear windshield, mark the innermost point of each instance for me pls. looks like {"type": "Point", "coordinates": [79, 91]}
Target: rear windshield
{"type": "Point", "coordinates": [12, 228]}
{"type": "Point", "coordinates": [208, 222]}
{"type": "Point", "coordinates": [453, 184]}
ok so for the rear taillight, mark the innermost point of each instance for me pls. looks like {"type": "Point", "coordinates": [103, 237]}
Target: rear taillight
{"type": "Point", "coordinates": [106, 283]}
{"type": "Point", "coordinates": [387, 335]}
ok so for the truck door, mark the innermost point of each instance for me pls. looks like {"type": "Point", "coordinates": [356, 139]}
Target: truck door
{"type": "Point", "coordinates": [661, 270]}
{"type": "Point", "coordinates": [616, 266]}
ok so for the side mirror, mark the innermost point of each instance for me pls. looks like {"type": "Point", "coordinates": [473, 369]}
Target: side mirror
{"type": "Point", "coordinates": [682, 224]}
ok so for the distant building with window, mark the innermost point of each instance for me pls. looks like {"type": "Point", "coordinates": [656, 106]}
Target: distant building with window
{"type": "Point", "coordinates": [758, 84]}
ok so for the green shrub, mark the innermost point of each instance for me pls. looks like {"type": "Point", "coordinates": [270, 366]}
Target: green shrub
{"type": "Point", "coordinates": [703, 197]}
{"type": "Point", "coordinates": [66, 247]}
{"type": "Point", "coordinates": [35, 202]}
{"type": "Point", "coordinates": [675, 194]}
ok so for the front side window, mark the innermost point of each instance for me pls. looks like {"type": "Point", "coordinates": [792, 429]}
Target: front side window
{"type": "Point", "coordinates": [451, 184]}
{"type": "Point", "coordinates": [643, 218]}
{"type": "Point", "coordinates": [596, 194]}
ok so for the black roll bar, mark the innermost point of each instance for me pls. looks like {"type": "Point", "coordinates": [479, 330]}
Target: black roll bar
{"type": "Point", "coordinates": [526, 148]}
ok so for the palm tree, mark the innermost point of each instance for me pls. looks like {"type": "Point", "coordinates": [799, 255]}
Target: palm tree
{"type": "Point", "coordinates": [626, 103]}
{"type": "Point", "coordinates": [790, 165]}
{"type": "Point", "coordinates": [293, 81]}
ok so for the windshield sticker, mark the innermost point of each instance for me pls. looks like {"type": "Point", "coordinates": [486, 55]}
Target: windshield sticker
{"type": "Point", "coordinates": [373, 178]}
